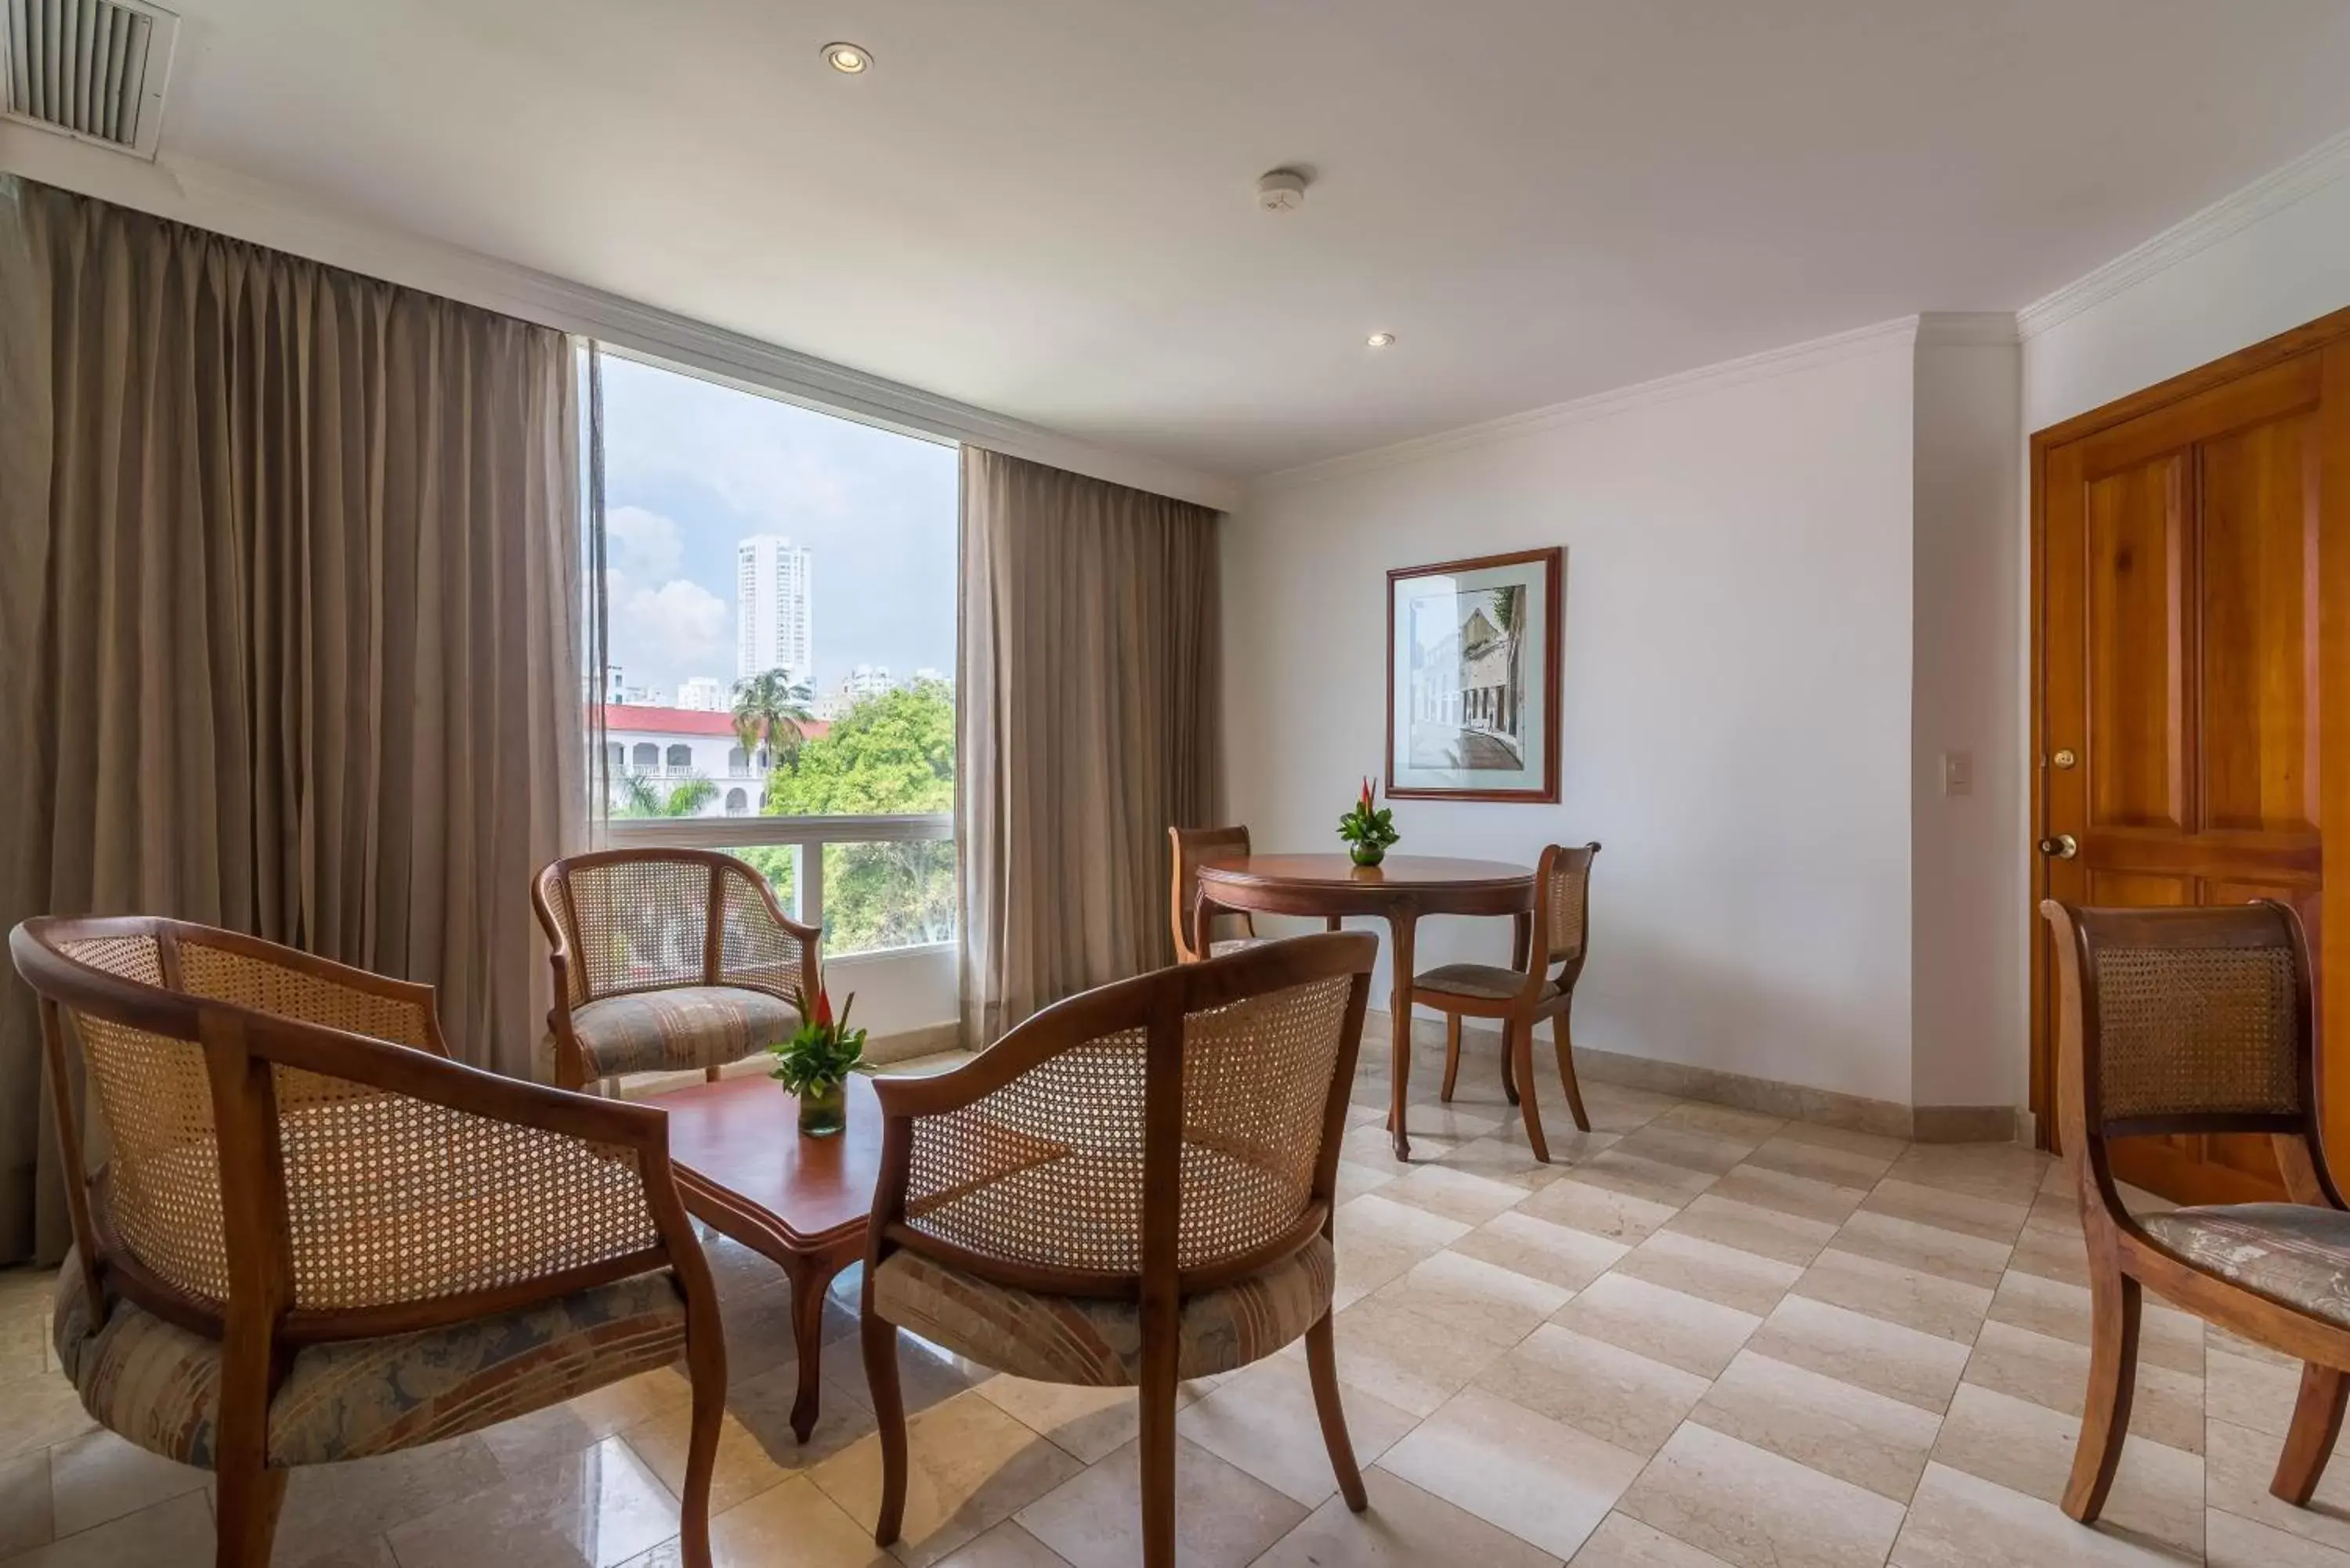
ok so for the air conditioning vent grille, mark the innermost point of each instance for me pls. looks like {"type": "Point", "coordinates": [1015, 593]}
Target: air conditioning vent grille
{"type": "Point", "coordinates": [90, 68]}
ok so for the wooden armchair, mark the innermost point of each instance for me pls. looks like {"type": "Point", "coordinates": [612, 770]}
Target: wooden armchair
{"type": "Point", "coordinates": [667, 960]}
{"type": "Point", "coordinates": [1131, 1189]}
{"type": "Point", "coordinates": [2197, 1021]}
{"type": "Point", "coordinates": [1525, 994]}
{"type": "Point", "coordinates": [1191, 847]}
{"type": "Point", "coordinates": [315, 1238]}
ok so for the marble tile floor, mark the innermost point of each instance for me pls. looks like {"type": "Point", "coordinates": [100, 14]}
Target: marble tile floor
{"type": "Point", "coordinates": [1701, 1337]}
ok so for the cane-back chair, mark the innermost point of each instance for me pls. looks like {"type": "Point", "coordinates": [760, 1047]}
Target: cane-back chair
{"type": "Point", "coordinates": [667, 960]}
{"type": "Point", "coordinates": [1191, 847]}
{"type": "Point", "coordinates": [2193, 1021]}
{"type": "Point", "coordinates": [1133, 1187]}
{"type": "Point", "coordinates": [1540, 985]}
{"type": "Point", "coordinates": [313, 1237]}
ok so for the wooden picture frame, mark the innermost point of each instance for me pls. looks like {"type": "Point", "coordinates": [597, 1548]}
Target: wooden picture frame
{"type": "Point", "coordinates": [1487, 728]}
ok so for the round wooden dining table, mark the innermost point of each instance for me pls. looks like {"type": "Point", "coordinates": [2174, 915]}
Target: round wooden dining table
{"type": "Point", "coordinates": [1399, 890]}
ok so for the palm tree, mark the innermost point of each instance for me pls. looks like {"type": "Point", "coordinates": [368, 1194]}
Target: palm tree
{"type": "Point", "coordinates": [689, 797]}
{"type": "Point", "coordinates": [769, 712]}
{"type": "Point", "coordinates": [639, 797]}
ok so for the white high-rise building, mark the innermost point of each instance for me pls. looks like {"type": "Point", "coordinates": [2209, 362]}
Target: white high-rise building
{"type": "Point", "coordinates": [773, 619]}
{"type": "Point", "coordinates": [701, 694]}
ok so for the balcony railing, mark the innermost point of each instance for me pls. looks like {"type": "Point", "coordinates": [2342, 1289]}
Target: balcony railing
{"type": "Point", "coordinates": [799, 833]}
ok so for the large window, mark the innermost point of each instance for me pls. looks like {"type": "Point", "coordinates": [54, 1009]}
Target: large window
{"type": "Point", "coordinates": [780, 594]}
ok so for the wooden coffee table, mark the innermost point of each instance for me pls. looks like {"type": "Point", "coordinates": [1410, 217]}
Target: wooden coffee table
{"type": "Point", "coordinates": [746, 1172]}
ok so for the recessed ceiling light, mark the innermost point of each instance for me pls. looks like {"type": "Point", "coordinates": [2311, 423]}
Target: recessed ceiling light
{"type": "Point", "coordinates": [1379, 339]}
{"type": "Point", "coordinates": [848, 60]}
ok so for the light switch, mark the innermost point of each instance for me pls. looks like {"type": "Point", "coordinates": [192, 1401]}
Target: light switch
{"type": "Point", "coordinates": [1957, 772]}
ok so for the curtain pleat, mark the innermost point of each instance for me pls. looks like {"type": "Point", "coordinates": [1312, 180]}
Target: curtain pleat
{"type": "Point", "coordinates": [1090, 718]}
{"type": "Point", "coordinates": [291, 621]}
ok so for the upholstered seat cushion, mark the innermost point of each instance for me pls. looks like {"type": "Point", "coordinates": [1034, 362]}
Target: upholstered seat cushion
{"type": "Point", "coordinates": [158, 1384]}
{"type": "Point", "coordinates": [1234, 945]}
{"type": "Point", "coordinates": [1484, 982]}
{"type": "Point", "coordinates": [1098, 1341]}
{"type": "Point", "coordinates": [685, 1026]}
{"type": "Point", "coordinates": [2296, 1252]}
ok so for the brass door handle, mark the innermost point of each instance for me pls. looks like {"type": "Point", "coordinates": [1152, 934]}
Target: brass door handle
{"type": "Point", "coordinates": [2062, 846]}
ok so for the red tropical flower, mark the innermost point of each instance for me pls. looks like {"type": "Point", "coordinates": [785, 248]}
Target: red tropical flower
{"type": "Point", "coordinates": [823, 1008]}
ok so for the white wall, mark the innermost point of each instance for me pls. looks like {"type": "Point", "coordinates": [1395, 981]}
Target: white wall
{"type": "Point", "coordinates": [900, 992]}
{"type": "Point", "coordinates": [1969, 851]}
{"type": "Point", "coordinates": [1736, 713]}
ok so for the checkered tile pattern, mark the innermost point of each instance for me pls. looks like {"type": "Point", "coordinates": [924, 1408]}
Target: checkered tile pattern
{"type": "Point", "coordinates": [1701, 1337]}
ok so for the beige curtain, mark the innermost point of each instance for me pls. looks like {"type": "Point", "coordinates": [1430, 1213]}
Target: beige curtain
{"type": "Point", "coordinates": [289, 620]}
{"type": "Point", "coordinates": [1089, 723]}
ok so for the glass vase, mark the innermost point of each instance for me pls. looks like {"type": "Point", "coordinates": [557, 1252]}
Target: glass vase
{"type": "Point", "coordinates": [824, 1109]}
{"type": "Point", "coordinates": [1368, 854]}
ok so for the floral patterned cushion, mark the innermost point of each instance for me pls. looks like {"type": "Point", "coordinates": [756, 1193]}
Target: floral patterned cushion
{"type": "Point", "coordinates": [685, 1026]}
{"type": "Point", "coordinates": [158, 1384]}
{"type": "Point", "coordinates": [2295, 1252]}
{"type": "Point", "coordinates": [1235, 945]}
{"type": "Point", "coordinates": [1095, 1340]}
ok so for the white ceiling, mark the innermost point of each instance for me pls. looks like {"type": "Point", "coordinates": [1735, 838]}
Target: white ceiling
{"type": "Point", "coordinates": [1045, 208]}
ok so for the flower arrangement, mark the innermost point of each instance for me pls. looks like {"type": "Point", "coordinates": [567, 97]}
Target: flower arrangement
{"type": "Point", "coordinates": [815, 1061]}
{"type": "Point", "coordinates": [1368, 828]}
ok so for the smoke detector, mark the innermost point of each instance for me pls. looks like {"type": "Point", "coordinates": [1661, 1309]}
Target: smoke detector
{"type": "Point", "coordinates": [1281, 191]}
{"type": "Point", "coordinates": [90, 70]}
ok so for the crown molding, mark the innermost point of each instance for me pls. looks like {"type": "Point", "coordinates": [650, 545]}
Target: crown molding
{"type": "Point", "coordinates": [1771, 363]}
{"type": "Point", "coordinates": [212, 197]}
{"type": "Point", "coordinates": [1966, 329]}
{"type": "Point", "coordinates": [2314, 170]}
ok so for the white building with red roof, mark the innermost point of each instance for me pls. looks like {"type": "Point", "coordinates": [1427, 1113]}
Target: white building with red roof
{"type": "Point", "coordinates": [671, 745]}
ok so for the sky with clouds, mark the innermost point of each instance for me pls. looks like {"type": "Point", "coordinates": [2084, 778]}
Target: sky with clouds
{"type": "Point", "coordinates": [690, 468]}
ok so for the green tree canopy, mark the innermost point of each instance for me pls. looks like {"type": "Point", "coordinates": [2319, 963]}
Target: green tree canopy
{"type": "Point", "coordinates": [890, 755]}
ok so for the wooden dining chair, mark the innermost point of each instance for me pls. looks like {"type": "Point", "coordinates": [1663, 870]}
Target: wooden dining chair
{"type": "Point", "coordinates": [1192, 847]}
{"type": "Point", "coordinates": [1133, 1187]}
{"type": "Point", "coordinates": [1540, 985]}
{"type": "Point", "coordinates": [2193, 1021]}
{"type": "Point", "coordinates": [667, 960]}
{"type": "Point", "coordinates": [315, 1238]}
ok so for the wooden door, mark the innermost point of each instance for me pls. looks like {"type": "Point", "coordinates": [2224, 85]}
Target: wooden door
{"type": "Point", "coordinates": [2187, 580]}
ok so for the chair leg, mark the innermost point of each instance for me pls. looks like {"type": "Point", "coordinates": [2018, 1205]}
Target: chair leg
{"type": "Point", "coordinates": [1563, 1043]}
{"type": "Point", "coordinates": [709, 1074]}
{"type": "Point", "coordinates": [1509, 1072]}
{"type": "Point", "coordinates": [1518, 1041]}
{"type": "Point", "coordinates": [244, 1515]}
{"type": "Point", "coordinates": [2309, 1442]}
{"type": "Point", "coordinates": [1157, 1460]}
{"type": "Point", "coordinates": [1452, 1055]}
{"type": "Point", "coordinates": [880, 1338]}
{"type": "Point", "coordinates": [1322, 1362]}
{"type": "Point", "coordinates": [2113, 1382]}
{"type": "Point", "coordinates": [706, 1369]}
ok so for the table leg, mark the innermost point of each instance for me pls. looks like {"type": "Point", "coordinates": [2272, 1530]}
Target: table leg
{"type": "Point", "coordinates": [809, 1278]}
{"type": "Point", "coordinates": [1331, 923]}
{"type": "Point", "coordinates": [1399, 925]}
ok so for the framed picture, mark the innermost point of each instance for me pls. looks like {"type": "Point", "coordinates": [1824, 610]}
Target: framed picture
{"type": "Point", "coordinates": [1473, 678]}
